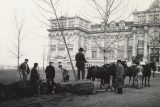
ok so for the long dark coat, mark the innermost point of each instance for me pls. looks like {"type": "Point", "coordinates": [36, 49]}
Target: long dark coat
{"type": "Point", "coordinates": [80, 60]}
{"type": "Point", "coordinates": [34, 80]}
{"type": "Point", "coordinates": [34, 75]}
{"type": "Point", "coordinates": [119, 76]}
{"type": "Point", "coordinates": [50, 72]}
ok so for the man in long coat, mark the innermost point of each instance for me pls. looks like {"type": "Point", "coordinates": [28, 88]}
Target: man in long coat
{"type": "Point", "coordinates": [80, 63]}
{"type": "Point", "coordinates": [50, 74]}
{"type": "Point", "coordinates": [119, 77]}
{"type": "Point", "coordinates": [34, 77]}
{"type": "Point", "coordinates": [24, 69]}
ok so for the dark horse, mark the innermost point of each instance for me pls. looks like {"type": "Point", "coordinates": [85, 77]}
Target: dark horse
{"type": "Point", "coordinates": [131, 72]}
{"type": "Point", "coordinates": [147, 72]}
{"type": "Point", "coordinates": [103, 73]}
{"type": "Point", "coordinates": [96, 72]}
{"type": "Point", "coordinates": [110, 70]}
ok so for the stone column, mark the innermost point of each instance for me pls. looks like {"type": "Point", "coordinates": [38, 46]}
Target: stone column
{"type": "Point", "coordinates": [125, 47]}
{"type": "Point", "coordinates": [134, 42]}
{"type": "Point", "coordinates": [116, 50]}
{"type": "Point", "coordinates": [57, 49]}
{"type": "Point", "coordinates": [50, 45]}
{"type": "Point", "coordinates": [145, 58]}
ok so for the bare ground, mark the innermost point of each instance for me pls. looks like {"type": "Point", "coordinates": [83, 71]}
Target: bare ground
{"type": "Point", "coordinates": [145, 97]}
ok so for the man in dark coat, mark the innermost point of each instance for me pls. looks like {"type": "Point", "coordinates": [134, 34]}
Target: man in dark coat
{"type": "Point", "coordinates": [119, 76]}
{"type": "Point", "coordinates": [50, 74]}
{"type": "Point", "coordinates": [80, 63]}
{"type": "Point", "coordinates": [34, 77]}
{"type": "Point", "coordinates": [24, 69]}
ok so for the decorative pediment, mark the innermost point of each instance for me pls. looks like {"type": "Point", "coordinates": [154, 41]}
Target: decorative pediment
{"type": "Point", "coordinates": [59, 57]}
{"type": "Point", "coordinates": [155, 4]}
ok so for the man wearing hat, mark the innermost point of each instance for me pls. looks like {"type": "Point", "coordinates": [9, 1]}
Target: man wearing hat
{"type": "Point", "coordinates": [50, 74]}
{"type": "Point", "coordinates": [80, 63]}
{"type": "Point", "coordinates": [34, 77]}
{"type": "Point", "coordinates": [119, 76]}
{"type": "Point", "coordinates": [24, 69]}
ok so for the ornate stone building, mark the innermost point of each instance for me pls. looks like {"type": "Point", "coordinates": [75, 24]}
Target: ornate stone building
{"type": "Point", "coordinates": [120, 40]}
{"type": "Point", "coordinates": [146, 32]}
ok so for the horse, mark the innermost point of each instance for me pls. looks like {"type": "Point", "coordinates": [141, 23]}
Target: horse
{"type": "Point", "coordinates": [110, 70]}
{"type": "Point", "coordinates": [92, 73]}
{"type": "Point", "coordinates": [154, 64]}
{"type": "Point", "coordinates": [103, 73]}
{"type": "Point", "coordinates": [96, 72]}
{"type": "Point", "coordinates": [147, 72]}
{"type": "Point", "coordinates": [131, 72]}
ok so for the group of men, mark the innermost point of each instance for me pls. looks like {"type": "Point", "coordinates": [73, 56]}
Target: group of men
{"type": "Point", "coordinates": [34, 75]}
{"type": "Point", "coordinates": [50, 72]}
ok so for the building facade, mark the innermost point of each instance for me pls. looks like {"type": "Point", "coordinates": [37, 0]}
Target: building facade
{"type": "Point", "coordinates": [117, 40]}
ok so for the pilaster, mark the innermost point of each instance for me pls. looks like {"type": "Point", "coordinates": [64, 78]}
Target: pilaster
{"type": "Point", "coordinates": [145, 58]}
{"type": "Point", "coordinates": [134, 42]}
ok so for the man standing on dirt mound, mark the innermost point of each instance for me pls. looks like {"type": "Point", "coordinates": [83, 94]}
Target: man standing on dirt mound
{"type": "Point", "coordinates": [80, 63]}
{"type": "Point", "coordinates": [50, 74]}
{"type": "Point", "coordinates": [24, 69]}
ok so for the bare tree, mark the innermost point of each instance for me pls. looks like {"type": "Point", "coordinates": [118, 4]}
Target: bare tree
{"type": "Point", "coordinates": [17, 51]}
{"type": "Point", "coordinates": [51, 9]}
{"type": "Point", "coordinates": [105, 11]}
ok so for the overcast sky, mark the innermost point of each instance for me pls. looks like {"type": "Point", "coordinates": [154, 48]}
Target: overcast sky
{"type": "Point", "coordinates": [35, 31]}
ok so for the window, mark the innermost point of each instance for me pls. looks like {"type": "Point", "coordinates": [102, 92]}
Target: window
{"type": "Point", "coordinates": [130, 42]}
{"type": "Point", "coordinates": [93, 48]}
{"type": "Point", "coordinates": [141, 43]}
{"type": "Point", "coordinates": [94, 54]}
{"type": "Point", "coordinates": [121, 48]}
{"type": "Point", "coordinates": [156, 35]}
{"type": "Point", "coordinates": [80, 24]}
{"type": "Point", "coordinates": [70, 47]}
{"type": "Point", "coordinates": [53, 47]}
{"type": "Point", "coordinates": [111, 54]}
{"type": "Point", "coordinates": [61, 47]}
{"type": "Point", "coordinates": [71, 24]}
{"type": "Point", "coordinates": [140, 51]}
{"type": "Point", "coordinates": [120, 54]}
{"type": "Point", "coordinates": [62, 24]}
{"type": "Point", "coordinates": [129, 54]}
{"type": "Point", "coordinates": [112, 24]}
{"type": "Point", "coordinates": [122, 24]}
{"type": "Point", "coordinates": [54, 25]}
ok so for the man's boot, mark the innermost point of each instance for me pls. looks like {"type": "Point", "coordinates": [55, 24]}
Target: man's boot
{"type": "Point", "coordinates": [119, 90]}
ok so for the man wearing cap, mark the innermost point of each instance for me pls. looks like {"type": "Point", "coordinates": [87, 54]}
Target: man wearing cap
{"type": "Point", "coordinates": [119, 77]}
{"type": "Point", "coordinates": [80, 63]}
{"type": "Point", "coordinates": [50, 74]}
{"type": "Point", "coordinates": [65, 75]}
{"type": "Point", "coordinates": [24, 69]}
{"type": "Point", "coordinates": [34, 77]}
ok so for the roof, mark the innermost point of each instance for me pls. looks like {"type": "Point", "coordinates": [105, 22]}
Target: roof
{"type": "Point", "coordinates": [155, 6]}
{"type": "Point", "coordinates": [64, 18]}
